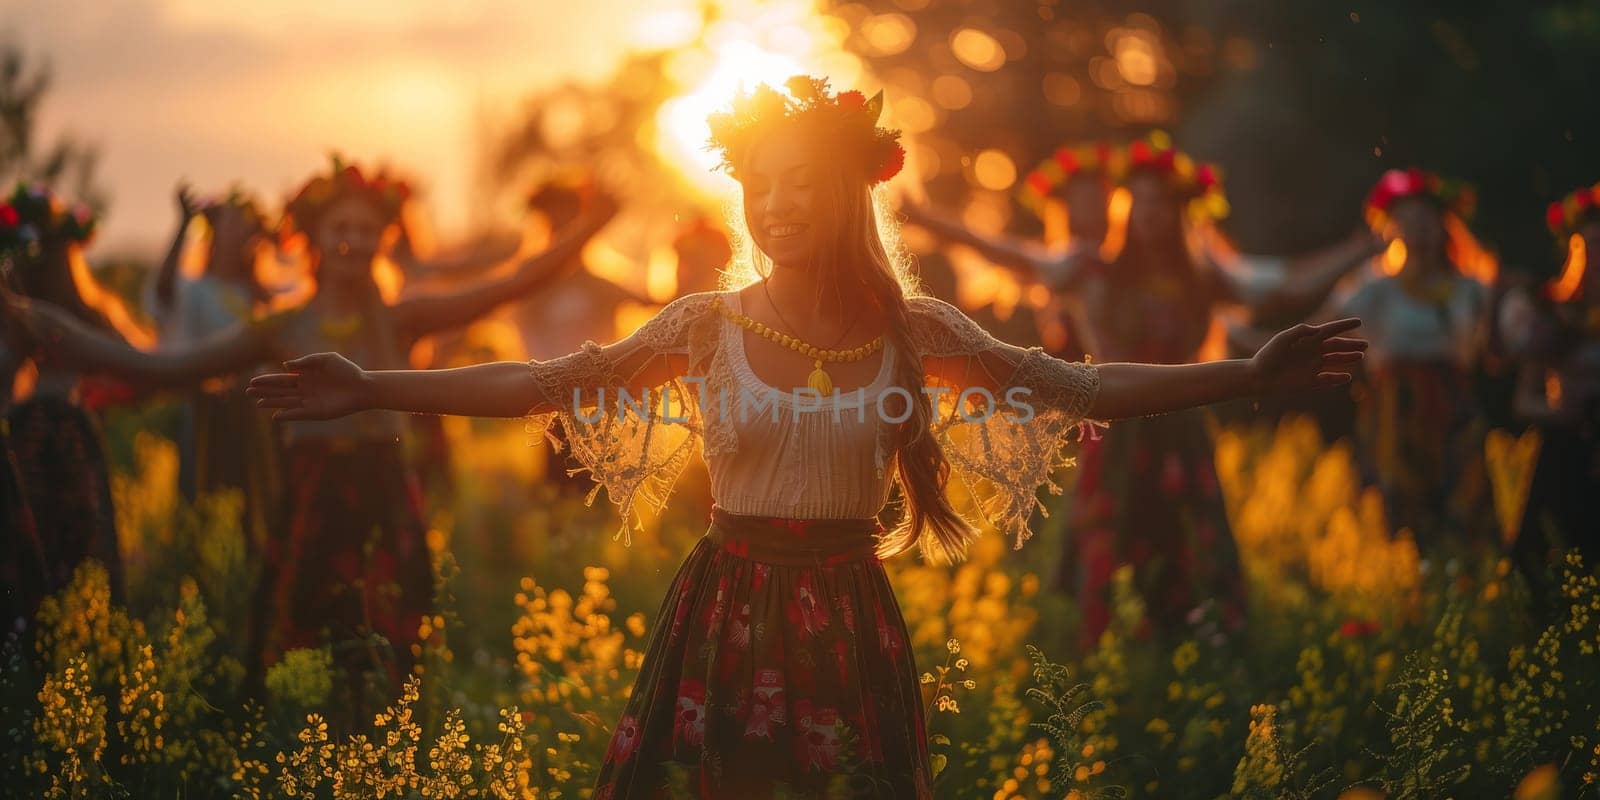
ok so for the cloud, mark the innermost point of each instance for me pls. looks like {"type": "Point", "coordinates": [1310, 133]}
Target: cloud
{"type": "Point", "coordinates": [218, 91]}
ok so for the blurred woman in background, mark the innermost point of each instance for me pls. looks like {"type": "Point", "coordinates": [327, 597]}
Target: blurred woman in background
{"type": "Point", "coordinates": [1552, 332]}
{"type": "Point", "coordinates": [1077, 182]}
{"type": "Point", "coordinates": [351, 568]}
{"type": "Point", "coordinates": [60, 464]}
{"type": "Point", "coordinates": [1425, 317]}
{"type": "Point", "coordinates": [223, 443]}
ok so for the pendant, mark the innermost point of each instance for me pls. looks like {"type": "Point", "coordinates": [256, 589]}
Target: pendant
{"type": "Point", "coordinates": [819, 382]}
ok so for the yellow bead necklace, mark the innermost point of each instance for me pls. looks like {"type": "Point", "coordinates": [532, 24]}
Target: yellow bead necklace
{"type": "Point", "coordinates": [819, 380]}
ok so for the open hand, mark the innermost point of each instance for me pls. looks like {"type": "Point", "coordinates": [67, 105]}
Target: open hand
{"type": "Point", "coordinates": [1308, 356]}
{"type": "Point", "coordinates": [318, 386]}
{"type": "Point", "coordinates": [188, 206]}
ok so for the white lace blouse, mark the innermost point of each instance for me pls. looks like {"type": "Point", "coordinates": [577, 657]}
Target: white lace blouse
{"type": "Point", "coordinates": [800, 457]}
{"type": "Point", "coordinates": [806, 464]}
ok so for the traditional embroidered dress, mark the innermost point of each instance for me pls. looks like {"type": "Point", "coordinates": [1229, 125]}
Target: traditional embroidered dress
{"type": "Point", "coordinates": [225, 442]}
{"type": "Point", "coordinates": [1149, 496]}
{"type": "Point", "coordinates": [23, 571]}
{"type": "Point", "coordinates": [63, 476]}
{"type": "Point", "coordinates": [780, 659]}
{"type": "Point", "coordinates": [352, 558]}
{"type": "Point", "coordinates": [1419, 437]}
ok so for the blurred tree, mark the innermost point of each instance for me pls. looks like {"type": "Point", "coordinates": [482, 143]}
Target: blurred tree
{"type": "Point", "coordinates": [67, 165]}
{"type": "Point", "coordinates": [1302, 104]}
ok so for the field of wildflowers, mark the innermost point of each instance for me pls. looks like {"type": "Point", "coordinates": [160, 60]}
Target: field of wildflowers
{"type": "Point", "coordinates": [1368, 669]}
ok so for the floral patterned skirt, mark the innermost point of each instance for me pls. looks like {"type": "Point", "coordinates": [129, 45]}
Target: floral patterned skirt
{"type": "Point", "coordinates": [61, 472]}
{"type": "Point", "coordinates": [22, 570]}
{"type": "Point", "coordinates": [1148, 496]}
{"type": "Point", "coordinates": [1419, 442]}
{"type": "Point", "coordinates": [779, 666]}
{"type": "Point", "coordinates": [352, 562]}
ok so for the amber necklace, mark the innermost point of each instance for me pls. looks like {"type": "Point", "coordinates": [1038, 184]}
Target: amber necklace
{"type": "Point", "coordinates": [819, 380]}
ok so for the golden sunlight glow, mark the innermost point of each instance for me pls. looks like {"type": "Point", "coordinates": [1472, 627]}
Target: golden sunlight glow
{"type": "Point", "coordinates": [603, 260]}
{"type": "Point", "coordinates": [1565, 286]}
{"type": "Point", "coordinates": [1056, 219]}
{"type": "Point", "coordinates": [977, 49]}
{"type": "Point", "coordinates": [738, 66]}
{"type": "Point", "coordinates": [748, 45]}
{"type": "Point", "coordinates": [1470, 257]}
{"type": "Point", "coordinates": [993, 170]}
{"type": "Point", "coordinates": [1117, 208]}
{"type": "Point", "coordinates": [1394, 258]}
{"type": "Point", "coordinates": [108, 303]}
{"type": "Point", "coordinates": [192, 257]}
{"type": "Point", "coordinates": [661, 273]}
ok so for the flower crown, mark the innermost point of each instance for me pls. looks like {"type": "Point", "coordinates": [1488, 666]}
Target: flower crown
{"type": "Point", "coordinates": [1199, 182]}
{"type": "Point", "coordinates": [849, 117]}
{"type": "Point", "coordinates": [1454, 196]}
{"type": "Point", "coordinates": [34, 215]}
{"type": "Point", "coordinates": [387, 193]}
{"type": "Point", "coordinates": [1565, 215]}
{"type": "Point", "coordinates": [1100, 160]}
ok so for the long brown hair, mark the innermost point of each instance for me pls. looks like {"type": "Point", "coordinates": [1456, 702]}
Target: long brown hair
{"type": "Point", "coordinates": [851, 260]}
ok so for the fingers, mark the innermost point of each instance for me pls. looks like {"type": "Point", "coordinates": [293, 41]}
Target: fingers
{"type": "Point", "coordinates": [1337, 327]}
{"type": "Point", "coordinates": [310, 362]}
{"type": "Point", "coordinates": [292, 414]}
{"type": "Point", "coordinates": [1329, 380]}
{"type": "Point", "coordinates": [260, 393]}
{"type": "Point", "coordinates": [275, 380]}
{"type": "Point", "coordinates": [279, 401]}
{"type": "Point", "coordinates": [1342, 358]}
{"type": "Point", "coordinates": [1343, 344]}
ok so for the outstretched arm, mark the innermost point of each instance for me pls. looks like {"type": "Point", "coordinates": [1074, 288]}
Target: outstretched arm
{"type": "Point", "coordinates": [163, 289]}
{"type": "Point", "coordinates": [1029, 261]}
{"type": "Point", "coordinates": [424, 315]}
{"type": "Point", "coordinates": [1301, 358]}
{"type": "Point", "coordinates": [327, 385]}
{"type": "Point", "coordinates": [1307, 279]}
{"type": "Point", "coordinates": [59, 334]}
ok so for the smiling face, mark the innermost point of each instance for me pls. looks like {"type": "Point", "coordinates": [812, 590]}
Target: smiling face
{"type": "Point", "coordinates": [348, 236]}
{"type": "Point", "coordinates": [782, 199]}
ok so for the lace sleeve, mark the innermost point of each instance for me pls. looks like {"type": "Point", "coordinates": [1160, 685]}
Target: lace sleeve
{"type": "Point", "coordinates": [624, 410]}
{"type": "Point", "coordinates": [1004, 451]}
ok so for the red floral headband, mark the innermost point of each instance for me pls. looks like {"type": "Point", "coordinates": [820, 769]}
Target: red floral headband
{"type": "Point", "coordinates": [1456, 197]}
{"type": "Point", "coordinates": [1565, 215]}
{"type": "Point", "coordinates": [33, 215]}
{"type": "Point", "coordinates": [387, 193]}
{"type": "Point", "coordinates": [1100, 160]}
{"type": "Point", "coordinates": [1201, 183]}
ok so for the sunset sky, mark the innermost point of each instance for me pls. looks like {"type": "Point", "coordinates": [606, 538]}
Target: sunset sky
{"type": "Point", "coordinates": [216, 91]}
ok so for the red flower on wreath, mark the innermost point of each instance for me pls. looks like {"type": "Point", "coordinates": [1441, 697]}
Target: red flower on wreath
{"type": "Point", "coordinates": [892, 163]}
